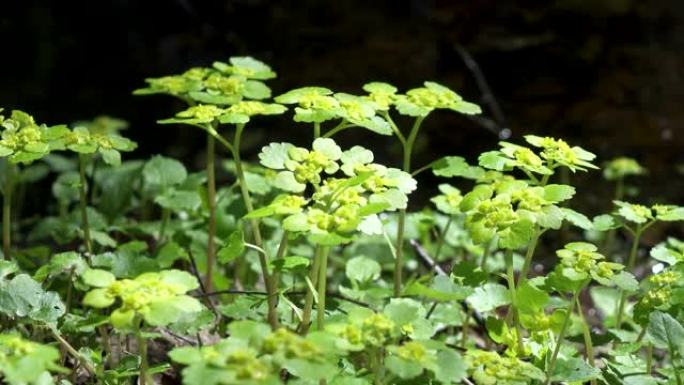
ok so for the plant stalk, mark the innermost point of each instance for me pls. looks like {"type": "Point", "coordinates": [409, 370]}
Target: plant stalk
{"type": "Point", "coordinates": [398, 262]}
{"type": "Point", "coordinates": [529, 255]}
{"type": "Point", "coordinates": [322, 282]}
{"type": "Point", "coordinates": [561, 335]}
{"type": "Point", "coordinates": [211, 205]}
{"type": "Point", "coordinates": [142, 351]}
{"type": "Point", "coordinates": [7, 209]}
{"type": "Point", "coordinates": [442, 236]}
{"type": "Point", "coordinates": [630, 266]}
{"type": "Point", "coordinates": [586, 332]}
{"type": "Point", "coordinates": [272, 299]}
{"type": "Point", "coordinates": [513, 311]}
{"type": "Point", "coordinates": [85, 226]}
{"type": "Point", "coordinates": [308, 300]}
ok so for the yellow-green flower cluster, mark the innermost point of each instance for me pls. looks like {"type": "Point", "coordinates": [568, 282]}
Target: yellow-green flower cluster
{"type": "Point", "coordinates": [449, 200]}
{"type": "Point", "coordinates": [23, 140]}
{"type": "Point", "coordinates": [223, 84]}
{"type": "Point", "coordinates": [159, 298]}
{"type": "Point", "coordinates": [26, 362]}
{"type": "Point", "coordinates": [581, 261]}
{"type": "Point", "coordinates": [489, 368]}
{"type": "Point", "coordinates": [622, 167]}
{"type": "Point", "coordinates": [333, 205]}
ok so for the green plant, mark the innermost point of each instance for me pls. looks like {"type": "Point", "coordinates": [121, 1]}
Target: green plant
{"type": "Point", "coordinates": [154, 256]}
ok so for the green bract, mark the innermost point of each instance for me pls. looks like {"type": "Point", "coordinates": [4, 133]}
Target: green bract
{"type": "Point", "coordinates": [421, 101]}
{"type": "Point", "coordinates": [224, 84]}
{"type": "Point", "coordinates": [158, 298]}
{"type": "Point", "coordinates": [641, 214]}
{"type": "Point", "coordinates": [554, 153]}
{"type": "Point", "coordinates": [26, 362]}
{"type": "Point", "coordinates": [314, 104]}
{"type": "Point", "coordinates": [511, 211]}
{"type": "Point", "coordinates": [558, 152]}
{"type": "Point", "coordinates": [238, 113]}
{"type": "Point", "coordinates": [23, 140]}
{"type": "Point", "coordinates": [99, 136]}
{"type": "Point", "coordinates": [382, 94]}
{"type": "Point", "coordinates": [449, 201]}
{"type": "Point", "coordinates": [255, 355]}
{"type": "Point", "coordinates": [622, 167]}
{"type": "Point", "coordinates": [489, 368]}
{"type": "Point", "coordinates": [580, 262]}
{"type": "Point", "coordinates": [337, 206]}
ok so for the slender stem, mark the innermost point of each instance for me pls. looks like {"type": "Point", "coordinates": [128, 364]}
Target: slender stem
{"type": "Point", "coordinates": [375, 357]}
{"type": "Point", "coordinates": [282, 248]}
{"type": "Point", "coordinates": [586, 332]}
{"type": "Point", "coordinates": [488, 248]}
{"type": "Point", "coordinates": [561, 335]}
{"type": "Point", "coordinates": [398, 261]}
{"type": "Point", "coordinates": [85, 226]}
{"type": "Point", "coordinates": [335, 130]}
{"type": "Point", "coordinates": [73, 352]}
{"type": "Point", "coordinates": [513, 310]}
{"type": "Point", "coordinates": [630, 266]}
{"type": "Point", "coordinates": [142, 351]}
{"type": "Point", "coordinates": [7, 209]}
{"type": "Point", "coordinates": [308, 300]}
{"type": "Point", "coordinates": [442, 236]}
{"type": "Point", "coordinates": [529, 255]}
{"type": "Point", "coordinates": [166, 216]}
{"type": "Point", "coordinates": [649, 358]}
{"type": "Point", "coordinates": [394, 127]}
{"type": "Point", "coordinates": [322, 283]}
{"type": "Point", "coordinates": [610, 237]}
{"type": "Point", "coordinates": [211, 205]}
{"type": "Point", "coordinates": [256, 233]}
{"type": "Point", "coordinates": [317, 130]}
{"type": "Point", "coordinates": [672, 350]}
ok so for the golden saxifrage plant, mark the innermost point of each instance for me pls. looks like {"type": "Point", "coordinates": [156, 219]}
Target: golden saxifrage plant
{"type": "Point", "coordinates": [311, 263]}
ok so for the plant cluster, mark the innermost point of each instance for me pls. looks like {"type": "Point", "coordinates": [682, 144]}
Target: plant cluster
{"type": "Point", "coordinates": [309, 265]}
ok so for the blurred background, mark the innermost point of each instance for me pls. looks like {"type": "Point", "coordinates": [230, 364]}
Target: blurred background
{"type": "Point", "coordinates": [606, 74]}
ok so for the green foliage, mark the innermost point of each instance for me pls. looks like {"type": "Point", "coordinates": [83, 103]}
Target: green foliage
{"type": "Point", "coordinates": [157, 298]}
{"type": "Point", "coordinates": [319, 227]}
{"type": "Point", "coordinates": [26, 362]}
{"type": "Point", "coordinates": [24, 140]}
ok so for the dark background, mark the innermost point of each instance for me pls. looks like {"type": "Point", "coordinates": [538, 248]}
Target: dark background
{"type": "Point", "coordinates": [605, 74]}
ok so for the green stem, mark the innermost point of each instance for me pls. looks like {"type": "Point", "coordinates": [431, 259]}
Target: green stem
{"type": "Point", "coordinates": [529, 255]}
{"type": "Point", "coordinates": [398, 261]}
{"type": "Point", "coordinates": [487, 250]}
{"type": "Point", "coordinates": [561, 335]}
{"type": "Point", "coordinates": [7, 209]}
{"type": "Point", "coordinates": [630, 266]}
{"type": "Point", "coordinates": [308, 300]}
{"type": "Point", "coordinates": [586, 332]}
{"type": "Point", "coordinates": [282, 248]}
{"type": "Point", "coordinates": [322, 283]}
{"type": "Point", "coordinates": [440, 242]}
{"type": "Point", "coordinates": [335, 130]}
{"type": "Point", "coordinates": [256, 233]}
{"type": "Point", "coordinates": [142, 351]}
{"type": "Point", "coordinates": [513, 311]}
{"type": "Point", "coordinates": [672, 350]}
{"type": "Point", "coordinates": [211, 205]}
{"type": "Point", "coordinates": [85, 226]}
{"type": "Point", "coordinates": [166, 216]}
{"type": "Point", "coordinates": [649, 358]}
{"type": "Point", "coordinates": [610, 237]}
{"type": "Point", "coordinates": [317, 130]}
{"type": "Point", "coordinates": [375, 356]}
